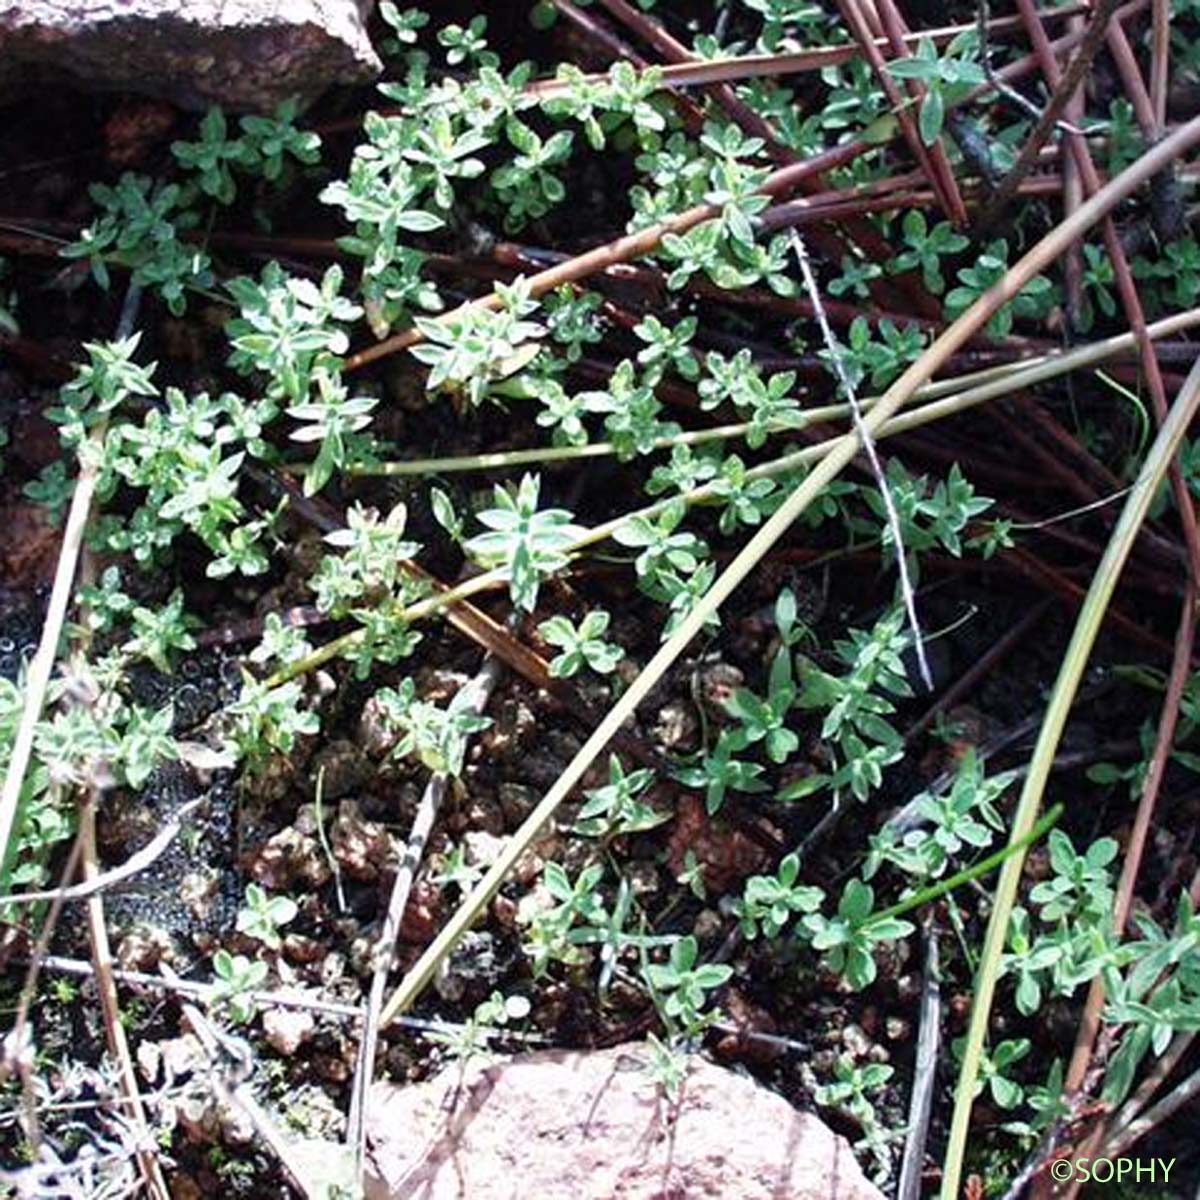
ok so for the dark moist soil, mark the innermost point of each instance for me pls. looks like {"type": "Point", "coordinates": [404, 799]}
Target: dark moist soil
{"type": "Point", "coordinates": [185, 905]}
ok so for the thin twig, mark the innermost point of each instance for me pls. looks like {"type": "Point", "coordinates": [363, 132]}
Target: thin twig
{"type": "Point", "coordinates": [480, 688]}
{"type": "Point", "coordinates": [1181, 668]}
{"type": "Point", "coordinates": [16, 1052]}
{"type": "Point", "coordinates": [920, 1103]}
{"type": "Point", "coordinates": [1171, 1103]}
{"type": "Point", "coordinates": [138, 861]}
{"type": "Point", "coordinates": [1126, 286]}
{"type": "Point", "coordinates": [942, 180]}
{"type": "Point", "coordinates": [114, 1028]}
{"type": "Point", "coordinates": [836, 353]}
{"type": "Point", "coordinates": [235, 1091]}
{"type": "Point", "coordinates": [1065, 89]}
{"type": "Point", "coordinates": [1160, 59]}
{"type": "Point", "coordinates": [896, 98]}
{"type": "Point", "coordinates": [204, 991]}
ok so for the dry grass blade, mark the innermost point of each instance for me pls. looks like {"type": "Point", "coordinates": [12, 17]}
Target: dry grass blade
{"type": "Point", "coordinates": [1181, 667]}
{"type": "Point", "coordinates": [1137, 505]}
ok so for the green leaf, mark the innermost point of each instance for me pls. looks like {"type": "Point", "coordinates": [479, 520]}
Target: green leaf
{"type": "Point", "coordinates": [933, 114]}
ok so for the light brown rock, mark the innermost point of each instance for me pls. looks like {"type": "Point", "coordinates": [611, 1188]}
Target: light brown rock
{"type": "Point", "coordinates": [596, 1126]}
{"type": "Point", "coordinates": [244, 54]}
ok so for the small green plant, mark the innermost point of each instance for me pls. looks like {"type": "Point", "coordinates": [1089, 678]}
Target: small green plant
{"type": "Point", "coordinates": [262, 916]}
{"type": "Point", "coordinates": [719, 773]}
{"type": "Point", "coordinates": [619, 807]}
{"type": "Point", "coordinates": [770, 902]}
{"type": "Point", "coordinates": [994, 1071]}
{"type": "Point", "coordinates": [525, 543]}
{"type": "Point", "coordinates": [260, 149]}
{"type": "Point", "coordinates": [158, 632]}
{"type": "Point", "coordinates": [856, 707]}
{"type": "Point", "coordinates": [405, 26]}
{"type": "Point", "coordinates": [489, 1021]}
{"type": "Point", "coordinates": [471, 351]}
{"type": "Point", "coordinates": [1099, 278]}
{"type": "Point", "coordinates": [141, 228]}
{"type": "Point", "coordinates": [764, 720]}
{"type": "Point", "coordinates": [1031, 302]}
{"type": "Point", "coordinates": [581, 644]}
{"type": "Point", "coordinates": [266, 720]}
{"type": "Point", "coordinates": [851, 1087]}
{"type": "Point", "coordinates": [855, 279]}
{"type": "Point", "coordinates": [876, 359]}
{"type": "Point", "coordinates": [527, 185]}
{"type": "Point", "coordinates": [552, 935]}
{"type": "Point", "coordinates": [681, 986]}
{"type": "Point", "coordinates": [437, 736]}
{"type": "Point", "coordinates": [848, 938]}
{"type": "Point", "coordinates": [925, 247]}
{"type": "Point", "coordinates": [289, 329]}
{"type": "Point", "coordinates": [236, 977]}
{"type": "Point", "coordinates": [946, 79]}
{"type": "Point", "coordinates": [850, 1092]}
{"type": "Point", "coordinates": [957, 821]}
{"type": "Point", "coordinates": [1080, 886]}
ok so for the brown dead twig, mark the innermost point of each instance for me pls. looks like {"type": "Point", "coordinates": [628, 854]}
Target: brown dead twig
{"type": "Point", "coordinates": [1065, 91]}
{"type": "Point", "coordinates": [1127, 288]}
{"type": "Point", "coordinates": [933, 159]}
{"type": "Point", "coordinates": [110, 1007]}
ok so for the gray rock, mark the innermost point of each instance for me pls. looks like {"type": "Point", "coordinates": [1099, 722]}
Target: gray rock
{"type": "Point", "coordinates": [243, 54]}
{"type": "Point", "coordinates": [584, 1126]}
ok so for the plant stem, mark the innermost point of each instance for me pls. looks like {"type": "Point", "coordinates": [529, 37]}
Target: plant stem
{"type": "Point", "coordinates": [1019, 375]}
{"type": "Point", "coordinates": [977, 871]}
{"type": "Point", "coordinates": [42, 665]}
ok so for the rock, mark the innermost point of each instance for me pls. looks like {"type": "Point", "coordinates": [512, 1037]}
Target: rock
{"type": "Point", "coordinates": [566, 1125]}
{"type": "Point", "coordinates": [423, 913]}
{"type": "Point", "coordinates": [286, 1029]}
{"type": "Point", "coordinates": [287, 860]}
{"type": "Point", "coordinates": [243, 54]}
{"type": "Point", "coordinates": [676, 727]}
{"type": "Point", "coordinates": [31, 544]}
{"type": "Point", "coordinates": [362, 848]}
{"type": "Point", "coordinates": [726, 856]}
{"type": "Point", "coordinates": [342, 767]}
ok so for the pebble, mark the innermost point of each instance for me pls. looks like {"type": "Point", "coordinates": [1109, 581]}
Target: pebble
{"type": "Point", "coordinates": [286, 1030]}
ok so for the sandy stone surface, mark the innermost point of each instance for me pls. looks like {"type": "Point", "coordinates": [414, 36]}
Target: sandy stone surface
{"type": "Point", "coordinates": [595, 1126]}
